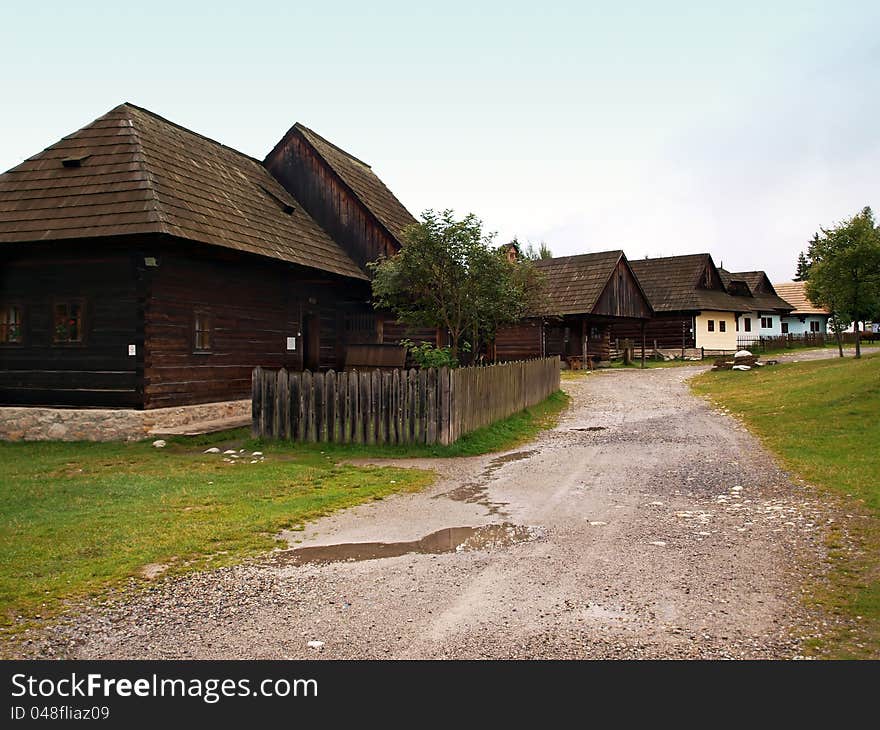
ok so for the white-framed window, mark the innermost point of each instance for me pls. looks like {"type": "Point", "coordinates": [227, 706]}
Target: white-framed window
{"type": "Point", "coordinates": [767, 323]}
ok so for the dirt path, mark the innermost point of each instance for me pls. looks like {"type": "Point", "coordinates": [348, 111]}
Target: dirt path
{"type": "Point", "coordinates": [645, 525]}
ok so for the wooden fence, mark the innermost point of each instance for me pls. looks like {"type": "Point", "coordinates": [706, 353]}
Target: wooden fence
{"type": "Point", "coordinates": [435, 406]}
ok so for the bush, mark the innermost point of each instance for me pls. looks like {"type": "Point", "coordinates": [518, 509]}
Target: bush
{"type": "Point", "coordinates": [427, 355]}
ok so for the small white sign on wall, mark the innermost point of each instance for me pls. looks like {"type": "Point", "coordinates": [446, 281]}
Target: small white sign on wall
{"type": "Point", "coordinates": [291, 343]}
{"type": "Point", "coordinates": [132, 350]}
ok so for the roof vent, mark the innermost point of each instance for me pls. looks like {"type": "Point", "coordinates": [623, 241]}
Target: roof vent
{"type": "Point", "coordinates": [74, 160]}
{"type": "Point", "coordinates": [285, 206]}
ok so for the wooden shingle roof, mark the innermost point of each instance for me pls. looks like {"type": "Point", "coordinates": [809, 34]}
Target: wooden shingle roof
{"type": "Point", "coordinates": [359, 177]}
{"type": "Point", "coordinates": [764, 296]}
{"type": "Point", "coordinates": [795, 293]}
{"type": "Point", "coordinates": [573, 284]}
{"type": "Point", "coordinates": [679, 284]}
{"type": "Point", "coordinates": [140, 173]}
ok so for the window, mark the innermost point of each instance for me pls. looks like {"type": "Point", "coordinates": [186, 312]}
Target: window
{"type": "Point", "coordinates": [11, 332]}
{"type": "Point", "coordinates": [767, 323]}
{"type": "Point", "coordinates": [201, 331]}
{"type": "Point", "coordinates": [722, 326]}
{"type": "Point", "coordinates": [814, 326]}
{"type": "Point", "coordinates": [747, 324]}
{"type": "Point", "coordinates": [67, 322]}
{"type": "Point", "coordinates": [785, 328]}
{"type": "Point", "coordinates": [710, 325]}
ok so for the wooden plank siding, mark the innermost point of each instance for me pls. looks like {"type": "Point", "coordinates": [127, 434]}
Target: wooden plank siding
{"type": "Point", "coordinates": [296, 165]}
{"type": "Point", "coordinates": [253, 306]}
{"type": "Point", "coordinates": [96, 372]}
{"type": "Point", "coordinates": [622, 296]}
{"type": "Point", "coordinates": [669, 331]}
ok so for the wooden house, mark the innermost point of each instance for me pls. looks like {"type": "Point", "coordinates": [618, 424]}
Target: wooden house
{"type": "Point", "coordinates": [144, 265]}
{"type": "Point", "coordinates": [351, 202]}
{"type": "Point", "coordinates": [692, 307]}
{"type": "Point", "coordinates": [587, 298]}
{"type": "Point", "coordinates": [766, 318]}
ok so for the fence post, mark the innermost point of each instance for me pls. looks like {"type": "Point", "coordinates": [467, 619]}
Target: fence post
{"type": "Point", "coordinates": [330, 401]}
{"type": "Point", "coordinates": [282, 409]}
{"type": "Point", "coordinates": [256, 401]}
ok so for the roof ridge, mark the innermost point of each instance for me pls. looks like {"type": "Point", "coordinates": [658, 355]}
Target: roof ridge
{"type": "Point", "coordinates": [300, 126]}
{"type": "Point", "coordinates": [162, 119]}
{"type": "Point", "coordinates": [141, 156]}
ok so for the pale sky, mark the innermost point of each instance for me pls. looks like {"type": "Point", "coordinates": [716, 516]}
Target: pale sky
{"type": "Point", "coordinates": [659, 128]}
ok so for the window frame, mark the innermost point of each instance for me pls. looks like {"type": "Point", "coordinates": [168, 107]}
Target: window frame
{"type": "Point", "coordinates": [768, 326]}
{"type": "Point", "coordinates": [83, 321]}
{"type": "Point", "coordinates": [208, 329]}
{"type": "Point", "coordinates": [747, 324]}
{"type": "Point", "coordinates": [818, 328]}
{"type": "Point", "coordinates": [15, 304]}
{"type": "Point", "coordinates": [783, 326]}
{"type": "Point", "coordinates": [722, 325]}
{"type": "Point", "coordinates": [710, 325]}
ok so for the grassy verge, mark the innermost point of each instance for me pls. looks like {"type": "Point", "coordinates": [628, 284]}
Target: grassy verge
{"type": "Point", "coordinates": [82, 519]}
{"type": "Point", "coordinates": [507, 434]}
{"type": "Point", "coordinates": [823, 419]}
{"type": "Point", "coordinates": [79, 519]}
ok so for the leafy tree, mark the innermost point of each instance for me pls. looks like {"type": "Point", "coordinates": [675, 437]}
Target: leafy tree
{"type": "Point", "coordinates": [803, 267]}
{"type": "Point", "coordinates": [541, 252]}
{"type": "Point", "coordinates": [449, 275]}
{"type": "Point", "coordinates": [845, 270]}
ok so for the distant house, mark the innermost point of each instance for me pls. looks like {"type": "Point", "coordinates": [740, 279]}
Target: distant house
{"type": "Point", "coordinates": [805, 317]}
{"type": "Point", "coordinates": [587, 297]}
{"type": "Point", "coordinates": [692, 307]}
{"type": "Point", "coordinates": [144, 265]}
{"type": "Point", "coordinates": [769, 311]}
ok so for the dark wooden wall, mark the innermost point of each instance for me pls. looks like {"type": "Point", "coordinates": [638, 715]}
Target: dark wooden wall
{"type": "Point", "coordinates": [308, 178]}
{"type": "Point", "coordinates": [666, 329]}
{"type": "Point", "coordinates": [98, 372]}
{"type": "Point", "coordinates": [253, 305]}
{"type": "Point", "coordinates": [519, 342]}
{"type": "Point", "coordinates": [622, 296]}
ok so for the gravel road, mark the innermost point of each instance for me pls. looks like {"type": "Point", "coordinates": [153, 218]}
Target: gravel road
{"type": "Point", "coordinates": [646, 525]}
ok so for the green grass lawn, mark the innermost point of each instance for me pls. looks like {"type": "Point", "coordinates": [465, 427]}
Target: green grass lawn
{"type": "Point", "coordinates": [823, 419]}
{"type": "Point", "coordinates": [81, 519]}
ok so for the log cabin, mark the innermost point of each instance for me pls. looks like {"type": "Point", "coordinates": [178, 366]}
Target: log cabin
{"type": "Point", "coordinates": [587, 298]}
{"type": "Point", "coordinates": [143, 265]}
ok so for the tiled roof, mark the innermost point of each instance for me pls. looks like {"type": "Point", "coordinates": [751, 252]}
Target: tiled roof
{"type": "Point", "coordinates": [574, 283]}
{"type": "Point", "coordinates": [672, 284]}
{"type": "Point", "coordinates": [140, 173]}
{"type": "Point", "coordinates": [363, 182]}
{"type": "Point", "coordinates": [794, 292]}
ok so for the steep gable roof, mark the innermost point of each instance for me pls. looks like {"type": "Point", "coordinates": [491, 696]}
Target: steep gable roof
{"type": "Point", "coordinates": [359, 177]}
{"type": "Point", "coordinates": [574, 283]}
{"type": "Point", "coordinates": [679, 284]}
{"type": "Point", "coordinates": [795, 293]}
{"type": "Point", "coordinates": [764, 296]}
{"type": "Point", "coordinates": [140, 173]}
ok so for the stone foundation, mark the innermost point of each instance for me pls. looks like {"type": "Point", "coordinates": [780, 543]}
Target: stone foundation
{"type": "Point", "coordinates": [107, 424]}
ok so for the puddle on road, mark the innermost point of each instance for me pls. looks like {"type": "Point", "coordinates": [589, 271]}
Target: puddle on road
{"type": "Point", "coordinates": [477, 492]}
{"type": "Point", "coordinates": [589, 428]}
{"type": "Point", "coordinates": [449, 540]}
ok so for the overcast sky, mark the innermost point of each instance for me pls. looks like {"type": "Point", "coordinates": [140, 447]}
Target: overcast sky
{"type": "Point", "coordinates": [659, 128]}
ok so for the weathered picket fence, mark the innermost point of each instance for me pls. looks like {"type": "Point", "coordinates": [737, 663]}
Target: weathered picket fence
{"type": "Point", "coordinates": [435, 406]}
